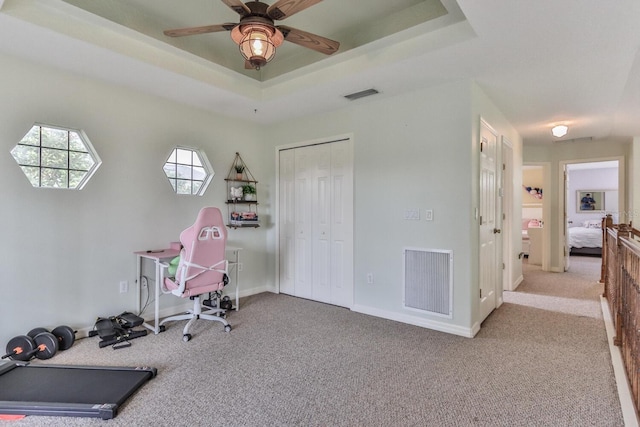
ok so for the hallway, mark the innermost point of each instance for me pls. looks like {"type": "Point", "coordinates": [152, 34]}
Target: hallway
{"type": "Point", "coordinates": [556, 320]}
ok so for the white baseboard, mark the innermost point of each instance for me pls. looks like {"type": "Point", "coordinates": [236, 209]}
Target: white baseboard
{"type": "Point", "coordinates": [517, 283]}
{"type": "Point", "coordinates": [475, 328]}
{"type": "Point", "coordinates": [416, 321]}
{"type": "Point", "coordinates": [622, 383]}
{"type": "Point", "coordinates": [252, 291]}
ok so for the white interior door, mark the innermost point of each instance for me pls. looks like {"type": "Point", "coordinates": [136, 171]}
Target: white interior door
{"type": "Point", "coordinates": [286, 232]}
{"type": "Point", "coordinates": [342, 223]}
{"type": "Point", "coordinates": [303, 225]}
{"type": "Point", "coordinates": [321, 218]}
{"type": "Point", "coordinates": [489, 273]}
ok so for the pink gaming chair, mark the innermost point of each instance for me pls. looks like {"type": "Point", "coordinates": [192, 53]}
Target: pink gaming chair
{"type": "Point", "coordinates": [202, 269]}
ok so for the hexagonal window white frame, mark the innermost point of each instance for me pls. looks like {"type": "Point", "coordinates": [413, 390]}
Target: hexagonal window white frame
{"type": "Point", "coordinates": [56, 157]}
{"type": "Point", "coordinates": [188, 171]}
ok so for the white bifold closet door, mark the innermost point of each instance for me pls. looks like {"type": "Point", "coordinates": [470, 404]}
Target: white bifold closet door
{"type": "Point", "coordinates": [316, 222]}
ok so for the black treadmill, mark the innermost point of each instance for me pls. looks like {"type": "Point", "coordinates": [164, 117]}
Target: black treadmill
{"type": "Point", "coordinates": [72, 391]}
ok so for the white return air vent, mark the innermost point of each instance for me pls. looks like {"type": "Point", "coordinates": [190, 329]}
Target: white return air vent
{"type": "Point", "coordinates": [428, 281]}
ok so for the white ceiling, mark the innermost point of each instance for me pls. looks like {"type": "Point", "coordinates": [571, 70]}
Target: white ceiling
{"type": "Point", "coordinates": [543, 62]}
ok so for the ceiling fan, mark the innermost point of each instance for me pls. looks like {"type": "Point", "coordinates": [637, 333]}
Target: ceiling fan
{"type": "Point", "coordinates": [258, 36]}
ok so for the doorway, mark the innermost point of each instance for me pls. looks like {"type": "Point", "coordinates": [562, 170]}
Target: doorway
{"type": "Point", "coordinates": [536, 177]}
{"type": "Point", "coordinates": [592, 191]}
{"type": "Point", "coordinates": [533, 213]}
{"type": "Point", "coordinates": [508, 251]}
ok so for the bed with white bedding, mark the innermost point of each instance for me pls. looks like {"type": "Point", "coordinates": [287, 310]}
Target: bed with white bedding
{"type": "Point", "coordinates": [586, 240]}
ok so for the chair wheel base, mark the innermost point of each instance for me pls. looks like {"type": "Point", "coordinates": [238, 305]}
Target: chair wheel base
{"type": "Point", "coordinates": [186, 337]}
{"type": "Point", "coordinates": [227, 328]}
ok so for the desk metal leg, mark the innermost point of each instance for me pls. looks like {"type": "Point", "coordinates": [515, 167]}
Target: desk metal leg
{"type": "Point", "coordinates": [236, 266]}
{"type": "Point", "coordinates": [237, 254]}
{"type": "Point", "coordinates": [156, 311]}
{"type": "Point", "coordinates": [152, 327]}
{"type": "Point", "coordinates": [139, 282]}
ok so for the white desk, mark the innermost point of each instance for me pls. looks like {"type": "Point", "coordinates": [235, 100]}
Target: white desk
{"type": "Point", "coordinates": [160, 255]}
{"type": "Point", "coordinates": [157, 256]}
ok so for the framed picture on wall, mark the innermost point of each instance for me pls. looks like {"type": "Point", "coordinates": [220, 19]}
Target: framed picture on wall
{"type": "Point", "coordinates": [589, 200]}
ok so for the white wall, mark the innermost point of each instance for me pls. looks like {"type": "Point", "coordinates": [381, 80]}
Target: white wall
{"type": "Point", "coordinates": [411, 152]}
{"type": "Point", "coordinates": [64, 252]}
{"type": "Point", "coordinates": [602, 179]}
{"type": "Point", "coordinates": [416, 151]}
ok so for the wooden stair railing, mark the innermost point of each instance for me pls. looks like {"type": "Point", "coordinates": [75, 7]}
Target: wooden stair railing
{"type": "Point", "coordinates": [621, 277]}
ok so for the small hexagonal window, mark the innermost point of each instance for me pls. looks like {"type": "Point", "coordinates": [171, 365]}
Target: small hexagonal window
{"type": "Point", "coordinates": [56, 157]}
{"type": "Point", "coordinates": [188, 171]}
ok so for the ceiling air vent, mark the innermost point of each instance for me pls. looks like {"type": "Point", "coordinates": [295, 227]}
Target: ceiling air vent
{"type": "Point", "coordinates": [584, 139]}
{"type": "Point", "coordinates": [361, 94]}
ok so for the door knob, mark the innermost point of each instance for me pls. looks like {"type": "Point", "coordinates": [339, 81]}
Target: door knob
{"type": "Point", "coordinates": [496, 231]}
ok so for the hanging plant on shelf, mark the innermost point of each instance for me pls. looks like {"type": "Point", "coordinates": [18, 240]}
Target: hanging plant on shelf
{"type": "Point", "coordinates": [239, 170]}
{"type": "Point", "coordinates": [249, 192]}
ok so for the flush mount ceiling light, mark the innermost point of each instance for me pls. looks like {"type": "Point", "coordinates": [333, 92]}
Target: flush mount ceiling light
{"type": "Point", "coordinates": [559, 131]}
{"type": "Point", "coordinates": [258, 36]}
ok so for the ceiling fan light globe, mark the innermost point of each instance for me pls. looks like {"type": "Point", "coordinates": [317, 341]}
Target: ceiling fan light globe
{"type": "Point", "coordinates": [257, 47]}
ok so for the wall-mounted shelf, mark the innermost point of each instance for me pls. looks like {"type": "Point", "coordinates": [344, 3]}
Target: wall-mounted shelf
{"type": "Point", "coordinates": [242, 196]}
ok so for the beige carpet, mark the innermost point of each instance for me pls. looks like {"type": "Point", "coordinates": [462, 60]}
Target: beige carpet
{"type": "Point", "coordinates": [541, 359]}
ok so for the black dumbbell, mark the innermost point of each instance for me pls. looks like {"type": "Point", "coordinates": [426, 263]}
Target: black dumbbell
{"type": "Point", "coordinates": [43, 345]}
{"type": "Point", "coordinates": [66, 335]}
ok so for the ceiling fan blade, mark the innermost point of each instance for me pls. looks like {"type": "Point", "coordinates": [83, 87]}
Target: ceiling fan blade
{"type": "Point", "coordinates": [308, 40]}
{"type": "Point", "coordinates": [285, 8]}
{"type": "Point", "coordinates": [238, 7]}
{"type": "Point", "coordinates": [199, 30]}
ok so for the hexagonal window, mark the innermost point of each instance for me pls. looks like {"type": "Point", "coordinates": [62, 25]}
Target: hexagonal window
{"type": "Point", "coordinates": [188, 171]}
{"type": "Point", "coordinates": [56, 157]}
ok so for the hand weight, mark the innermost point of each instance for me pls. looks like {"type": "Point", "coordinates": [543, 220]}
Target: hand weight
{"type": "Point", "coordinates": [66, 336]}
{"type": "Point", "coordinates": [23, 347]}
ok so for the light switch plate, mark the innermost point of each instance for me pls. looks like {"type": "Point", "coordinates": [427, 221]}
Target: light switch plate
{"type": "Point", "coordinates": [412, 214]}
{"type": "Point", "coordinates": [428, 215]}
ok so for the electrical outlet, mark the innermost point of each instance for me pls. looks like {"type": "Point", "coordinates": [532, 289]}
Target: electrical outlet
{"type": "Point", "coordinates": [428, 215]}
{"type": "Point", "coordinates": [124, 286]}
{"type": "Point", "coordinates": [369, 278]}
{"type": "Point", "coordinates": [240, 266]}
{"type": "Point", "coordinates": [144, 282]}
